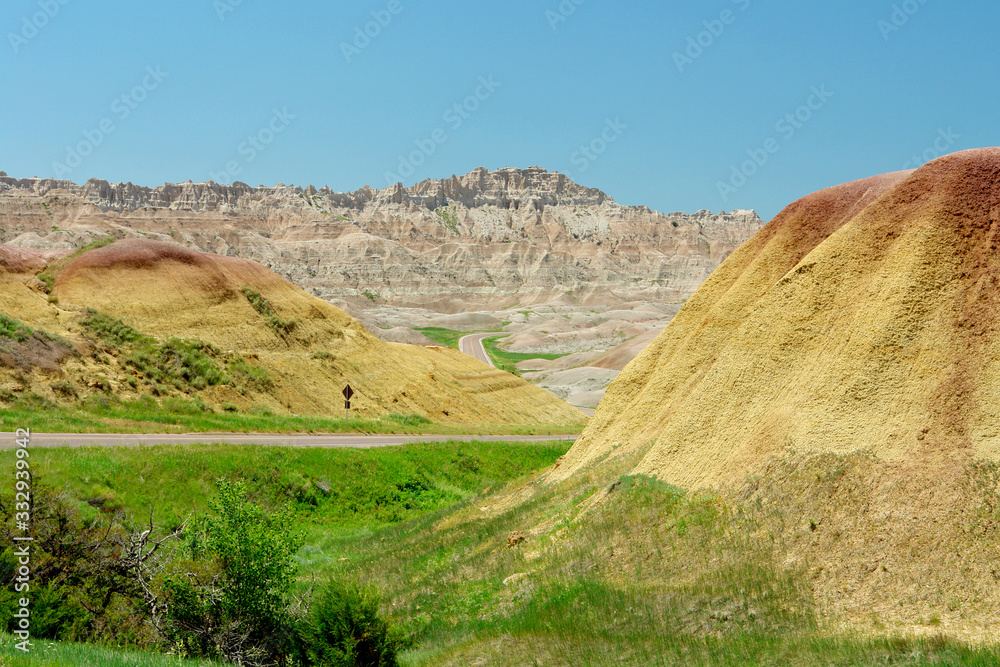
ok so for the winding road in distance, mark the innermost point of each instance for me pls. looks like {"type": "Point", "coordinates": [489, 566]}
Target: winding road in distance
{"type": "Point", "coordinates": [472, 345]}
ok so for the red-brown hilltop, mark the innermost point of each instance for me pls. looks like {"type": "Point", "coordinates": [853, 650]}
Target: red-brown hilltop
{"type": "Point", "coordinates": [22, 260]}
{"type": "Point", "coordinates": [150, 256]}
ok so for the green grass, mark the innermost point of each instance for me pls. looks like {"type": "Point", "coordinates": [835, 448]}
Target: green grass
{"type": "Point", "coordinates": [51, 272]}
{"type": "Point", "coordinates": [14, 329]}
{"type": "Point", "coordinates": [184, 365]}
{"type": "Point", "coordinates": [445, 337]}
{"type": "Point", "coordinates": [333, 491]}
{"type": "Point", "coordinates": [637, 572]}
{"type": "Point", "coordinates": [105, 414]}
{"type": "Point", "coordinates": [508, 361]}
{"type": "Point", "coordinates": [57, 654]}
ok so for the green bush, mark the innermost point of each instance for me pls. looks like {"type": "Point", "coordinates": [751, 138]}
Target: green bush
{"type": "Point", "coordinates": [13, 329]}
{"type": "Point", "coordinates": [111, 330]}
{"type": "Point", "coordinates": [260, 303]}
{"type": "Point", "coordinates": [182, 363]}
{"type": "Point", "coordinates": [344, 629]}
{"type": "Point", "coordinates": [238, 610]}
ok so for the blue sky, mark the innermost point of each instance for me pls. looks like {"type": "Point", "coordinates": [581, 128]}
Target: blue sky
{"type": "Point", "coordinates": [677, 106]}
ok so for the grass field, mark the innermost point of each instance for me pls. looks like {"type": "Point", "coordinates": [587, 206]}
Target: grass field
{"type": "Point", "coordinates": [483, 565]}
{"type": "Point", "coordinates": [172, 415]}
{"type": "Point", "coordinates": [508, 361]}
{"type": "Point", "coordinates": [445, 337]}
{"type": "Point", "coordinates": [337, 491]}
{"type": "Point", "coordinates": [56, 654]}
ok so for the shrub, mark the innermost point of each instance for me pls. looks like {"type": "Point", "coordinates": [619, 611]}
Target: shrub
{"type": "Point", "coordinates": [344, 629]}
{"type": "Point", "coordinates": [248, 374]}
{"type": "Point", "coordinates": [111, 330]}
{"type": "Point", "coordinates": [181, 363]}
{"type": "Point", "coordinates": [13, 329]}
{"type": "Point", "coordinates": [261, 304]}
{"type": "Point", "coordinates": [239, 610]}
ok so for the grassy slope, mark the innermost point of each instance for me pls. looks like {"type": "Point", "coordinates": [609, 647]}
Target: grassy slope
{"type": "Point", "coordinates": [651, 576]}
{"type": "Point", "coordinates": [335, 490]}
{"type": "Point", "coordinates": [340, 496]}
{"type": "Point", "coordinates": [181, 416]}
{"type": "Point", "coordinates": [441, 336]}
{"type": "Point", "coordinates": [54, 654]}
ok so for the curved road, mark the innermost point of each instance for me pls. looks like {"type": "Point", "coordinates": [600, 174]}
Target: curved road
{"type": "Point", "coordinates": [473, 346]}
{"type": "Point", "coordinates": [51, 440]}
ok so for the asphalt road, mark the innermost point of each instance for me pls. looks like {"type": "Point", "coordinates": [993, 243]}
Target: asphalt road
{"type": "Point", "coordinates": [51, 440]}
{"type": "Point", "coordinates": [473, 346]}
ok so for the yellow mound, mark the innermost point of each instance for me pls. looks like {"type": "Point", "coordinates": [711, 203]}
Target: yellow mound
{"type": "Point", "coordinates": [862, 317]}
{"type": "Point", "coordinates": [838, 379]}
{"type": "Point", "coordinates": [310, 349]}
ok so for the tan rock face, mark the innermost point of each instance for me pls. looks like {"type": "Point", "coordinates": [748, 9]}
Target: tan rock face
{"type": "Point", "coordinates": [488, 239]}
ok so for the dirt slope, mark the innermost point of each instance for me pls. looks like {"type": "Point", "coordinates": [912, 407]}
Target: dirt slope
{"type": "Point", "coordinates": [309, 348]}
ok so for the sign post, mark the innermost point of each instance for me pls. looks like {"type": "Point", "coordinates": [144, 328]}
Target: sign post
{"type": "Point", "coordinates": [348, 392]}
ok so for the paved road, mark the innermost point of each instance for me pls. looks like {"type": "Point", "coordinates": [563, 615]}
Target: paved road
{"type": "Point", "coordinates": [49, 440]}
{"type": "Point", "coordinates": [473, 346]}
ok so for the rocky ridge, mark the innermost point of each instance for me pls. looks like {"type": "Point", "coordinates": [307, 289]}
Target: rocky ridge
{"type": "Point", "coordinates": [490, 238]}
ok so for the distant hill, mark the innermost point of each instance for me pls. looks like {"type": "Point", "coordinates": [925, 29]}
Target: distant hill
{"type": "Point", "coordinates": [487, 239]}
{"type": "Point", "coordinates": [141, 317]}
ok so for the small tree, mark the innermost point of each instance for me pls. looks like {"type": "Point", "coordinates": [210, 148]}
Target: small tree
{"type": "Point", "coordinates": [237, 609]}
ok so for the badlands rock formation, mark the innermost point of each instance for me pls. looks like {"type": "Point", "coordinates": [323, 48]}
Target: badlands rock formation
{"type": "Point", "coordinates": [256, 324]}
{"type": "Point", "coordinates": [484, 240]}
{"type": "Point", "coordinates": [842, 371]}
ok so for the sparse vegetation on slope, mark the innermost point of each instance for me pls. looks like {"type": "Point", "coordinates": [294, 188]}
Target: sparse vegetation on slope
{"type": "Point", "coordinates": [282, 327]}
{"type": "Point", "coordinates": [441, 336]}
{"type": "Point", "coordinates": [174, 364]}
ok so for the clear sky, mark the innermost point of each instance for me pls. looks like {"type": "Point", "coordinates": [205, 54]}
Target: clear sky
{"type": "Point", "coordinates": [678, 106]}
